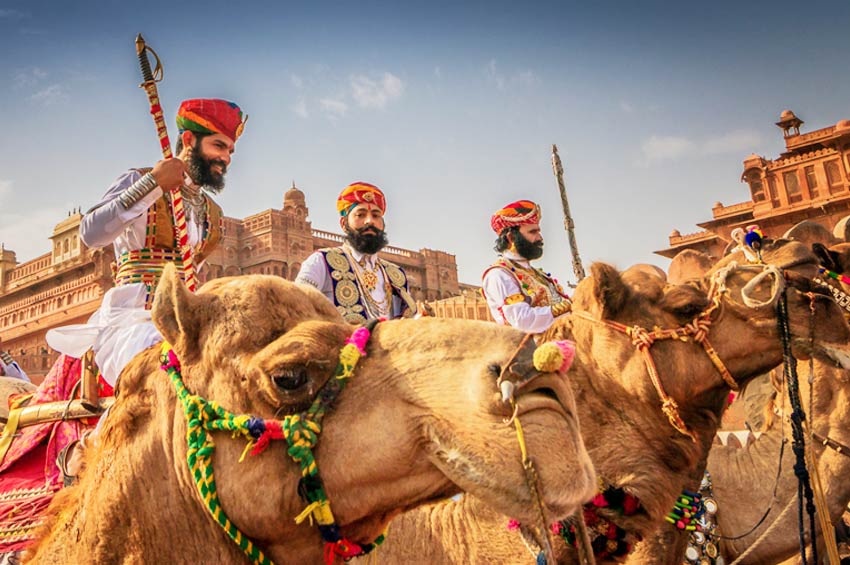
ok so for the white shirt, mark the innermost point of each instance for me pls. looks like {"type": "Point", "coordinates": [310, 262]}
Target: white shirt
{"type": "Point", "coordinates": [314, 272]}
{"type": "Point", "coordinates": [498, 285]}
{"type": "Point", "coordinates": [108, 222]}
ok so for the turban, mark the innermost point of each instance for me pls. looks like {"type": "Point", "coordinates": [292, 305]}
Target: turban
{"type": "Point", "coordinates": [211, 116]}
{"type": "Point", "coordinates": [360, 193]}
{"type": "Point", "coordinates": [515, 214]}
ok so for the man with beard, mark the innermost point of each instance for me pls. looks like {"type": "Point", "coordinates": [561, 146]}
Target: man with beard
{"type": "Point", "coordinates": [518, 294]}
{"type": "Point", "coordinates": [360, 284]}
{"type": "Point", "coordinates": [136, 217]}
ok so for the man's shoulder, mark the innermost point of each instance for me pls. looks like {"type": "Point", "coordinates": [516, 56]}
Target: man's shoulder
{"type": "Point", "coordinates": [395, 273]}
{"type": "Point", "coordinates": [500, 265]}
{"type": "Point", "coordinates": [335, 258]}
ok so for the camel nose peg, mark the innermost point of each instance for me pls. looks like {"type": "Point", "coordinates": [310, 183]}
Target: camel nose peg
{"type": "Point", "coordinates": [507, 388]}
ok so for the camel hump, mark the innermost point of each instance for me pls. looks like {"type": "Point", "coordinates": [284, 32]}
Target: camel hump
{"type": "Point", "coordinates": [688, 264]}
{"type": "Point", "coordinates": [809, 232]}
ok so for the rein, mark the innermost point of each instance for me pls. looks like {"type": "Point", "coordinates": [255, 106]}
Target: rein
{"type": "Point", "coordinates": [301, 433]}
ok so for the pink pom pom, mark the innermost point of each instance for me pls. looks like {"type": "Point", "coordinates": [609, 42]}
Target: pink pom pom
{"type": "Point", "coordinates": [568, 348]}
{"type": "Point", "coordinates": [557, 528]}
{"type": "Point", "coordinates": [359, 339]}
{"type": "Point", "coordinates": [731, 398]}
{"type": "Point", "coordinates": [513, 525]}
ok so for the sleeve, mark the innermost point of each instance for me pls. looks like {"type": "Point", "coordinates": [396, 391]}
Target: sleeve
{"type": "Point", "coordinates": [314, 272]}
{"type": "Point", "coordinates": [504, 295]}
{"type": "Point", "coordinates": [14, 371]}
{"type": "Point", "coordinates": [107, 219]}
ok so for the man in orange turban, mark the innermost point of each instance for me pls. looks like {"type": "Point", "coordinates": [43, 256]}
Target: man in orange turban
{"type": "Point", "coordinates": [518, 294]}
{"type": "Point", "coordinates": [362, 285]}
{"type": "Point", "coordinates": [135, 216]}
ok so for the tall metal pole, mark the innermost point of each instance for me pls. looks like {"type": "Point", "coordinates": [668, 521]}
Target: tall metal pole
{"type": "Point", "coordinates": [569, 225]}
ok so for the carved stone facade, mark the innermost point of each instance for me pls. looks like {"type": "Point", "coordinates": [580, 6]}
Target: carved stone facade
{"type": "Point", "coordinates": [66, 285]}
{"type": "Point", "coordinates": [809, 181]}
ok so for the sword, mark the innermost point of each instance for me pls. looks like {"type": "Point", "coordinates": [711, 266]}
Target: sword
{"type": "Point", "coordinates": [149, 80]}
{"type": "Point", "coordinates": [558, 170]}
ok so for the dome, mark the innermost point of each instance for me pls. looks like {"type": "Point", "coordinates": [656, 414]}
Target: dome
{"type": "Point", "coordinates": [786, 115]}
{"type": "Point", "coordinates": [675, 233]}
{"type": "Point", "coordinates": [842, 125]}
{"type": "Point", "coordinates": [293, 197]}
{"type": "Point", "coordinates": [718, 204]}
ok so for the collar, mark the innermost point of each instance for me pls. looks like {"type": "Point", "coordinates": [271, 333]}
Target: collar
{"type": "Point", "coordinates": [516, 258]}
{"type": "Point", "coordinates": [361, 258]}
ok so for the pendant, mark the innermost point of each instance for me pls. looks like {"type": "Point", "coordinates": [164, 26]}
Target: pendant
{"type": "Point", "coordinates": [370, 280]}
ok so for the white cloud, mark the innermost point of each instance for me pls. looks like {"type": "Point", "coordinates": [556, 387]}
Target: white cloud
{"type": "Point", "coordinates": [300, 108]}
{"type": "Point", "coordinates": [296, 80]}
{"type": "Point", "coordinates": [28, 77]}
{"type": "Point", "coordinates": [524, 78]}
{"type": "Point", "coordinates": [369, 93]}
{"type": "Point", "coordinates": [738, 141]}
{"type": "Point", "coordinates": [333, 108]}
{"type": "Point", "coordinates": [494, 76]}
{"type": "Point", "coordinates": [12, 14]}
{"type": "Point", "coordinates": [51, 95]}
{"type": "Point", "coordinates": [660, 148]}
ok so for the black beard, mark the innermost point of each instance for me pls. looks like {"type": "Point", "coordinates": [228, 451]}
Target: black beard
{"type": "Point", "coordinates": [527, 249]}
{"type": "Point", "coordinates": [366, 243]}
{"type": "Point", "coordinates": [200, 169]}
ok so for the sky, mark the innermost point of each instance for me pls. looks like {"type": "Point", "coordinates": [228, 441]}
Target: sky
{"type": "Point", "coordinates": [450, 107]}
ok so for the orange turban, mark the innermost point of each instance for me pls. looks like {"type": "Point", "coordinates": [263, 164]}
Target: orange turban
{"type": "Point", "coordinates": [360, 193]}
{"type": "Point", "coordinates": [515, 214]}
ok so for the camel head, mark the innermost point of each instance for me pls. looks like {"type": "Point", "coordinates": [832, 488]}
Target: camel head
{"type": "Point", "coordinates": [421, 419]}
{"type": "Point", "coordinates": [746, 338]}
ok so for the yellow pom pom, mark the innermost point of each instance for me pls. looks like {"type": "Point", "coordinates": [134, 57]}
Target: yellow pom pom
{"type": "Point", "coordinates": [548, 358]}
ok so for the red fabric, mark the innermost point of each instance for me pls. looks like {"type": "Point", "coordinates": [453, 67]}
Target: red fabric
{"type": "Point", "coordinates": [30, 462]}
{"type": "Point", "coordinates": [515, 214]}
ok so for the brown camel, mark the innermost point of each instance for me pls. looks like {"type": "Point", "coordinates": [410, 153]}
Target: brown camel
{"type": "Point", "coordinates": [421, 420]}
{"type": "Point", "coordinates": [743, 478]}
{"type": "Point", "coordinates": [630, 441]}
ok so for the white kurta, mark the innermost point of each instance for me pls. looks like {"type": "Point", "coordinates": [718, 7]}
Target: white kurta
{"type": "Point", "coordinates": [122, 327]}
{"type": "Point", "coordinates": [314, 272]}
{"type": "Point", "coordinates": [498, 285]}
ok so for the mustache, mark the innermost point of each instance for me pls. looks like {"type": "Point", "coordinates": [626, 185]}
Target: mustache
{"type": "Point", "coordinates": [220, 163]}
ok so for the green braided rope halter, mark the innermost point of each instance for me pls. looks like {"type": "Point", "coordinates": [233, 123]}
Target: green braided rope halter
{"type": "Point", "coordinates": [301, 432]}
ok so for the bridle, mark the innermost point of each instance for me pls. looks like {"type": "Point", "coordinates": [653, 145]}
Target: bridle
{"type": "Point", "coordinates": [697, 330]}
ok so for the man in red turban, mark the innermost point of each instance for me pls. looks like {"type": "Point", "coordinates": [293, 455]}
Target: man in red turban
{"type": "Point", "coordinates": [361, 285]}
{"type": "Point", "coordinates": [518, 294]}
{"type": "Point", "coordinates": [136, 217]}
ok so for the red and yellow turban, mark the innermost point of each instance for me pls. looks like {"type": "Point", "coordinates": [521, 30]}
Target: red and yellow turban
{"type": "Point", "coordinates": [211, 116]}
{"type": "Point", "coordinates": [515, 214]}
{"type": "Point", "coordinates": [360, 193]}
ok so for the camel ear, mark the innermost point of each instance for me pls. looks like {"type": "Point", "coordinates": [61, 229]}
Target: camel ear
{"type": "Point", "coordinates": [828, 259]}
{"type": "Point", "coordinates": [176, 312]}
{"type": "Point", "coordinates": [609, 290]}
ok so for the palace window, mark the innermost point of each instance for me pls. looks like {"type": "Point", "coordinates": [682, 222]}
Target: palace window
{"type": "Point", "coordinates": [792, 187]}
{"type": "Point", "coordinates": [833, 176]}
{"type": "Point", "coordinates": [772, 192]}
{"type": "Point", "coordinates": [812, 181]}
{"type": "Point", "coordinates": [756, 187]}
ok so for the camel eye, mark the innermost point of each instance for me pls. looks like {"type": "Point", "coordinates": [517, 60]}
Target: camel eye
{"type": "Point", "coordinates": [495, 368]}
{"type": "Point", "coordinates": [290, 379]}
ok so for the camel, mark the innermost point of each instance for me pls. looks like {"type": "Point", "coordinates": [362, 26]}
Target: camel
{"type": "Point", "coordinates": [630, 441]}
{"type": "Point", "coordinates": [743, 478]}
{"type": "Point", "coordinates": [421, 420]}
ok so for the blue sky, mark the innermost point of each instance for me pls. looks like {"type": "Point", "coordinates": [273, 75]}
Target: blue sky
{"type": "Point", "coordinates": [449, 107]}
